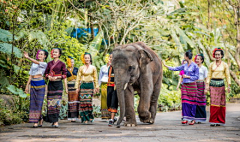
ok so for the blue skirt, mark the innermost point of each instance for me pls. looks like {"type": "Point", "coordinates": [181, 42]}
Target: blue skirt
{"type": "Point", "coordinates": [37, 93]}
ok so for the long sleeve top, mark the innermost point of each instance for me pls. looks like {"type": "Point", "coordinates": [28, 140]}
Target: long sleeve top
{"type": "Point", "coordinates": [57, 68]}
{"type": "Point", "coordinates": [87, 75]}
{"type": "Point", "coordinates": [203, 72]}
{"type": "Point", "coordinates": [103, 75]}
{"type": "Point", "coordinates": [110, 77]}
{"type": "Point", "coordinates": [218, 72]}
{"type": "Point", "coordinates": [38, 68]}
{"type": "Point", "coordinates": [72, 73]}
{"type": "Point", "coordinates": [192, 70]}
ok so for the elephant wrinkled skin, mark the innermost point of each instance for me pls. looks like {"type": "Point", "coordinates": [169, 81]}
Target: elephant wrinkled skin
{"type": "Point", "coordinates": [137, 68]}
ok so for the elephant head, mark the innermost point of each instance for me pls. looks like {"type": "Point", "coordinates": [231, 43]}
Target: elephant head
{"type": "Point", "coordinates": [128, 62]}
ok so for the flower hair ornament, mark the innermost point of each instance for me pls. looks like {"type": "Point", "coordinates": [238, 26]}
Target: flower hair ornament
{"type": "Point", "coordinates": [216, 49]}
{"type": "Point", "coordinates": [38, 54]}
{"type": "Point", "coordinates": [195, 58]}
{"type": "Point", "coordinates": [106, 59]}
{"type": "Point", "coordinates": [69, 64]}
{"type": "Point", "coordinates": [52, 52]}
{"type": "Point", "coordinates": [45, 52]}
{"type": "Point", "coordinates": [82, 57]}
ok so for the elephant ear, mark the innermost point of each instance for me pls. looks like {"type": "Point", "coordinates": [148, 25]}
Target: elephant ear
{"type": "Point", "coordinates": [145, 57]}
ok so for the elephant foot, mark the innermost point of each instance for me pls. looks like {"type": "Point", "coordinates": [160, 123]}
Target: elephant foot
{"type": "Point", "coordinates": [150, 121]}
{"type": "Point", "coordinates": [146, 118]}
{"type": "Point", "coordinates": [129, 124]}
{"type": "Point", "coordinates": [118, 126]}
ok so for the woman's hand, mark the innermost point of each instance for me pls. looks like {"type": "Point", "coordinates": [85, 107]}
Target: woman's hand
{"type": "Point", "coordinates": [96, 90]}
{"type": "Point", "coordinates": [54, 78]}
{"type": "Point", "coordinates": [177, 88]}
{"type": "Point", "coordinates": [27, 90]}
{"type": "Point", "coordinates": [185, 76]}
{"type": "Point", "coordinates": [50, 78]}
{"type": "Point", "coordinates": [77, 91]}
{"type": "Point", "coordinates": [66, 90]}
{"type": "Point", "coordinates": [165, 64]}
{"type": "Point", "coordinates": [206, 89]}
{"type": "Point", "coordinates": [229, 89]}
{"type": "Point", "coordinates": [25, 54]}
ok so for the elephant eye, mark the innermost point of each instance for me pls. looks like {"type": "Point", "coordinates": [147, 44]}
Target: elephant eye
{"type": "Point", "coordinates": [131, 68]}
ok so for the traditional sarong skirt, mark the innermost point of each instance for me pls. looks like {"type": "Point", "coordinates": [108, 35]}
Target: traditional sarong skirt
{"type": "Point", "coordinates": [73, 101]}
{"type": "Point", "coordinates": [85, 97]}
{"type": "Point", "coordinates": [104, 109]}
{"type": "Point", "coordinates": [218, 101]}
{"type": "Point", "coordinates": [201, 102]}
{"type": "Point", "coordinates": [189, 94]}
{"type": "Point", "coordinates": [112, 99]}
{"type": "Point", "coordinates": [37, 93]}
{"type": "Point", "coordinates": [54, 98]}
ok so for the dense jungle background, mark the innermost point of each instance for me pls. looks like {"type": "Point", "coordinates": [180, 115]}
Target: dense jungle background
{"type": "Point", "coordinates": [169, 27]}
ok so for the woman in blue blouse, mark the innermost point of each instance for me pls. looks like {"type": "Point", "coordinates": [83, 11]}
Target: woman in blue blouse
{"type": "Point", "coordinates": [189, 88]}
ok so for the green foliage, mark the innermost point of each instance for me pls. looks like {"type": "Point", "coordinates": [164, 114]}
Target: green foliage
{"type": "Point", "coordinates": [169, 99]}
{"type": "Point", "coordinates": [17, 91]}
{"type": "Point", "coordinates": [14, 114]}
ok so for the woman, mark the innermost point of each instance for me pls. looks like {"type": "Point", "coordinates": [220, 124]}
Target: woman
{"type": "Point", "coordinates": [181, 74]}
{"type": "Point", "coordinates": [56, 71]}
{"type": "Point", "coordinates": [73, 100]}
{"type": "Point", "coordinates": [218, 70]}
{"type": "Point", "coordinates": [37, 90]}
{"type": "Point", "coordinates": [112, 99]}
{"type": "Point", "coordinates": [201, 97]}
{"type": "Point", "coordinates": [103, 79]}
{"type": "Point", "coordinates": [87, 77]}
{"type": "Point", "coordinates": [189, 88]}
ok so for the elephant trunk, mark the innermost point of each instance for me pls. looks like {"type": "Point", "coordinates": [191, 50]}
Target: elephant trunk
{"type": "Point", "coordinates": [121, 100]}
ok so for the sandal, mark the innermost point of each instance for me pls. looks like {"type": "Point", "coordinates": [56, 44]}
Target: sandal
{"type": "Point", "coordinates": [192, 122]}
{"type": "Point", "coordinates": [212, 125]}
{"type": "Point", "coordinates": [185, 122]}
{"type": "Point", "coordinates": [41, 123]}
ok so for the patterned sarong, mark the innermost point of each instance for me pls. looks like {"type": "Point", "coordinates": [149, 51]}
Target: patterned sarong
{"type": "Point", "coordinates": [189, 94]}
{"type": "Point", "coordinates": [73, 102]}
{"type": "Point", "coordinates": [104, 109]}
{"type": "Point", "coordinates": [218, 101]}
{"type": "Point", "coordinates": [54, 98]}
{"type": "Point", "coordinates": [85, 107]}
{"type": "Point", "coordinates": [201, 102]}
{"type": "Point", "coordinates": [37, 93]}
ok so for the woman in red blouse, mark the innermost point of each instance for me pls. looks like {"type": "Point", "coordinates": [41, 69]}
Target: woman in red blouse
{"type": "Point", "coordinates": [56, 71]}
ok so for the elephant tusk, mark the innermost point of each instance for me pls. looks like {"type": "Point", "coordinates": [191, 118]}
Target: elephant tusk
{"type": "Point", "coordinates": [114, 87]}
{"type": "Point", "coordinates": [125, 86]}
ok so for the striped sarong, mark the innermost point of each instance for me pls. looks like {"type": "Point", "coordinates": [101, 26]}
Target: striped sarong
{"type": "Point", "coordinates": [104, 109]}
{"type": "Point", "coordinates": [218, 101]}
{"type": "Point", "coordinates": [37, 93]}
{"type": "Point", "coordinates": [85, 107]}
{"type": "Point", "coordinates": [201, 103]}
{"type": "Point", "coordinates": [73, 101]}
{"type": "Point", "coordinates": [189, 94]}
{"type": "Point", "coordinates": [54, 98]}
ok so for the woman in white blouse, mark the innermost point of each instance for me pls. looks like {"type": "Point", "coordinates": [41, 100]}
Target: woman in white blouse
{"type": "Point", "coordinates": [201, 97]}
{"type": "Point", "coordinates": [103, 79]}
{"type": "Point", "coordinates": [37, 90]}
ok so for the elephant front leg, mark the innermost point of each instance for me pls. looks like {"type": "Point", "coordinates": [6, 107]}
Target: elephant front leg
{"type": "Point", "coordinates": [129, 104]}
{"type": "Point", "coordinates": [144, 103]}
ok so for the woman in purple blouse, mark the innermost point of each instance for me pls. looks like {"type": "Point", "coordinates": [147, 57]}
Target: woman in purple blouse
{"type": "Point", "coordinates": [55, 72]}
{"type": "Point", "coordinates": [189, 87]}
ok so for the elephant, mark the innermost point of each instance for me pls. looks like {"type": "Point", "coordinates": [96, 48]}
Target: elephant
{"type": "Point", "coordinates": [137, 68]}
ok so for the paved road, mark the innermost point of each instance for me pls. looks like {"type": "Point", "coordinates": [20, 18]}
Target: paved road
{"type": "Point", "coordinates": [168, 128]}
